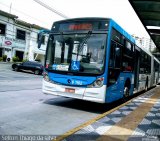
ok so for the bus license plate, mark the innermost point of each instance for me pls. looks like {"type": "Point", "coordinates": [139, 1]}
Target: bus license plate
{"type": "Point", "coordinates": [68, 90]}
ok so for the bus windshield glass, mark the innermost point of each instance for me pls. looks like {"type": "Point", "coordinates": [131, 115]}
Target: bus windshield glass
{"type": "Point", "coordinates": [76, 53]}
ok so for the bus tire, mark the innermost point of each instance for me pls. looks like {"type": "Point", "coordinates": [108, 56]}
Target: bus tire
{"type": "Point", "coordinates": [146, 85]}
{"type": "Point", "coordinates": [127, 87]}
{"type": "Point", "coordinates": [126, 92]}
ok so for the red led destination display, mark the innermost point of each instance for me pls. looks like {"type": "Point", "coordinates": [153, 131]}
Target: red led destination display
{"type": "Point", "coordinates": [84, 26]}
{"type": "Point", "coordinates": [80, 25]}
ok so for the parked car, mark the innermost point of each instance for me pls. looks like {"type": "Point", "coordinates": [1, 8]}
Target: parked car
{"type": "Point", "coordinates": [33, 66]}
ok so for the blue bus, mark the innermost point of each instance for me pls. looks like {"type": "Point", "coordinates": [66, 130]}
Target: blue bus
{"type": "Point", "coordinates": [94, 59]}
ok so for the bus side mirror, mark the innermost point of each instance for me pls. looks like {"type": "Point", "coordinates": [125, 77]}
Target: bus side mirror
{"type": "Point", "coordinates": [40, 36]}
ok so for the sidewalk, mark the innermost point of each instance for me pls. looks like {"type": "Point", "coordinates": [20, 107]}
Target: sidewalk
{"type": "Point", "coordinates": [138, 120]}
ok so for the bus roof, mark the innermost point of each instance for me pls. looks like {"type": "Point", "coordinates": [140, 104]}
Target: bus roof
{"type": "Point", "coordinates": [111, 21]}
{"type": "Point", "coordinates": [121, 30]}
{"type": "Point", "coordinates": [82, 19]}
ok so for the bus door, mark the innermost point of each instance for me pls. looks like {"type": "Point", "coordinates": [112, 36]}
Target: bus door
{"type": "Point", "coordinates": [136, 67]}
{"type": "Point", "coordinates": [114, 62]}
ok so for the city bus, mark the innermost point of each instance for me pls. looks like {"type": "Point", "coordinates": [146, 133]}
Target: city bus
{"type": "Point", "coordinates": [94, 59]}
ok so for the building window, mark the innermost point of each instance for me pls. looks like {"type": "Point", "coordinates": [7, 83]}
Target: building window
{"type": "Point", "coordinates": [21, 34]}
{"type": "Point", "coordinates": [43, 39]}
{"type": "Point", "coordinates": [2, 29]}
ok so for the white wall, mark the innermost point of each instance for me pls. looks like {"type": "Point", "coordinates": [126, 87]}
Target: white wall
{"type": "Point", "coordinates": [28, 46]}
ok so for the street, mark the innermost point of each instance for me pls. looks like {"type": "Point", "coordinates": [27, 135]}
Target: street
{"type": "Point", "coordinates": [24, 109]}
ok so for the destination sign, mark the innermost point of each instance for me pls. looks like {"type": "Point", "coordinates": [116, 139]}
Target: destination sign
{"type": "Point", "coordinates": [80, 25]}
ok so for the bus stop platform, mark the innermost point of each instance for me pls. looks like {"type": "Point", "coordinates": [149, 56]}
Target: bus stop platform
{"type": "Point", "coordinates": [135, 120]}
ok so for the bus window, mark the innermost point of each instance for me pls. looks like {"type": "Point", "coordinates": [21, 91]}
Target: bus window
{"type": "Point", "coordinates": [115, 56]}
{"type": "Point", "coordinates": [114, 63]}
{"type": "Point", "coordinates": [145, 63]}
{"type": "Point", "coordinates": [128, 57]}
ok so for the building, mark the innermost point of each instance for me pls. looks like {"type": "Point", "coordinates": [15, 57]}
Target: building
{"type": "Point", "coordinates": [19, 38]}
{"type": "Point", "coordinates": [146, 43]}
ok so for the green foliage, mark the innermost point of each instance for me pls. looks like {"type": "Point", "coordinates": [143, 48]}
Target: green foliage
{"type": "Point", "coordinates": [1, 58]}
{"type": "Point", "coordinates": [15, 59]}
{"type": "Point", "coordinates": [24, 60]}
{"type": "Point", "coordinates": [4, 58]}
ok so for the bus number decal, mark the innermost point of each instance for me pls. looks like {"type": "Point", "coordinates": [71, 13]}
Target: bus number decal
{"type": "Point", "coordinates": [77, 82]}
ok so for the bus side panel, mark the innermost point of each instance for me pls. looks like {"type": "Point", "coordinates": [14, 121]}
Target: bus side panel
{"type": "Point", "coordinates": [107, 53]}
{"type": "Point", "coordinates": [116, 91]}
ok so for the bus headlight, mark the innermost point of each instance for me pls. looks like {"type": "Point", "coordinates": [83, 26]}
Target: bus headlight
{"type": "Point", "coordinates": [46, 77]}
{"type": "Point", "coordinates": [98, 83]}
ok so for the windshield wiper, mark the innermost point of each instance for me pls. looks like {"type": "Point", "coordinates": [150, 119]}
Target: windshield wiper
{"type": "Point", "coordinates": [83, 42]}
{"type": "Point", "coordinates": [63, 47]}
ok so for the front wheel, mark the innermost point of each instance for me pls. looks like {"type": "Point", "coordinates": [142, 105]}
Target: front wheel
{"type": "Point", "coordinates": [125, 94]}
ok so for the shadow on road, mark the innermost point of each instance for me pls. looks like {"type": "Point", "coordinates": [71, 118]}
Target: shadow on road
{"type": "Point", "coordinates": [88, 106]}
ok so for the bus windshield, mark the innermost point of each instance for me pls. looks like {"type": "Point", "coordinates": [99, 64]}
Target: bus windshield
{"type": "Point", "coordinates": [76, 53]}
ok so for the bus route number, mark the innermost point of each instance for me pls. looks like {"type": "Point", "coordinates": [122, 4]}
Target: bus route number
{"type": "Point", "coordinates": [77, 82]}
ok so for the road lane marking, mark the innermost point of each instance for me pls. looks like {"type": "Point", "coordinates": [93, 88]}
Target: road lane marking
{"type": "Point", "coordinates": [124, 128]}
{"type": "Point", "coordinates": [72, 131]}
{"type": "Point", "coordinates": [20, 73]}
{"type": "Point", "coordinates": [20, 90]}
{"type": "Point", "coordinates": [11, 74]}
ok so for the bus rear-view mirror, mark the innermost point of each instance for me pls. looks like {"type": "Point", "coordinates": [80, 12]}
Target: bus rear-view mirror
{"type": "Point", "coordinates": [39, 39]}
{"type": "Point", "coordinates": [41, 36]}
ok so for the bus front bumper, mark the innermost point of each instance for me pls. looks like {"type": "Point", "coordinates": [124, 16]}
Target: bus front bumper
{"type": "Point", "coordinates": [89, 94]}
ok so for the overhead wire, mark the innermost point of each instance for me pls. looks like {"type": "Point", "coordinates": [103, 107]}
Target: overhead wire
{"type": "Point", "coordinates": [51, 9]}
{"type": "Point", "coordinates": [22, 12]}
{"type": "Point", "coordinates": [39, 2]}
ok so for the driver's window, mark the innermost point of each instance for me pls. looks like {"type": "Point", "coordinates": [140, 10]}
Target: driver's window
{"type": "Point", "coordinates": [115, 55]}
{"type": "Point", "coordinates": [58, 48]}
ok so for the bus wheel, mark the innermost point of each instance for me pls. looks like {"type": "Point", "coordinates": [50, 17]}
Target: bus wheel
{"type": "Point", "coordinates": [146, 85]}
{"type": "Point", "coordinates": [126, 92]}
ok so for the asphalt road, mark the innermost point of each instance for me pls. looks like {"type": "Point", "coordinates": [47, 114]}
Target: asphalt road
{"type": "Point", "coordinates": [25, 110]}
